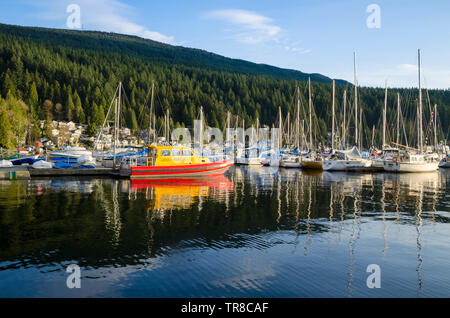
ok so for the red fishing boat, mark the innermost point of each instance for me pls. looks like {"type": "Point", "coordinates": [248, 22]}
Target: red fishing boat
{"type": "Point", "coordinates": [177, 161]}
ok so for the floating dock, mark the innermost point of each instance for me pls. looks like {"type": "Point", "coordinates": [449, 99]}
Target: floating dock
{"type": "Point", "coordinates": [14, 173]}
{"type": "Point", "coordinates": [27, 172]}
{"type": "Point", "coordinates": [71, 172]}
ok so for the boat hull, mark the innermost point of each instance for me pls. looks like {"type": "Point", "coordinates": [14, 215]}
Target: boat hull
{"type": "Point", "coordinates": [196, 170]}
{"type": "Point", "coordinates": [346, 165]}
{"type": "Point", "coordinates": [248, 161]}
{"type": "Point", "coordinates": [316, 165]}
{"type": "Point", "coordinates": [392, 166]}
{"type": "Point", "coordinates": [290, 164]}
{"type": "Point", "coordinates": [378, 164]}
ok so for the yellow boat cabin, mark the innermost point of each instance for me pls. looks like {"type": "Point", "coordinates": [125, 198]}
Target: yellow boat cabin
{"type": "Point", "coordinates": [159, 155]}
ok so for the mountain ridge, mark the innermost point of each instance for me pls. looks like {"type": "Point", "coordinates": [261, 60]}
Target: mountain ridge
{"type": "Point", "coordinates": [162, 52]}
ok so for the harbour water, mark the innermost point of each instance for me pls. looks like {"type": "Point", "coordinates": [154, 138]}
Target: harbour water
{"type": "Point", "coordinates": [255, 232]}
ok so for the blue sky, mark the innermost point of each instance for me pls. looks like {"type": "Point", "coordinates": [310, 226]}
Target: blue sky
{"type": "Point", "coordinates": [310, 36]}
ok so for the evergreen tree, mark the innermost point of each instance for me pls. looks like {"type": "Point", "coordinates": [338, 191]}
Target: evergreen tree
{"type": "Point", "coordinates": [33, 97]}
{"type": "Point", "coordinates": [131, 120]}
{"type": "Point", "coordinates": [70, 107]}
{"type": "Point", "coordinates": [5, 129]}
{"type": "Point", "coordinates": [92, 129]}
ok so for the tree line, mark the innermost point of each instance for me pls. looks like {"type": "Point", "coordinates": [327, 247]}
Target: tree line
{"type": "Point", "coordinates": [52, 79]}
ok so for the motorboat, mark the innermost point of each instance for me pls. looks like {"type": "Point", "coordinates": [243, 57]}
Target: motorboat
{"type": "Point", "coordinates": [407, 161]}
{"type": "Point", "coordinates": [165, 161]}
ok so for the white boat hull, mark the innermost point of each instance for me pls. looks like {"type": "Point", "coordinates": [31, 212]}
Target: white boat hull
{"type": "Point", "coordinates": [248, 161]}
{"type": "Point", "coordinates": [393, 166]}
{"type": "Point", "coordinates": [344, 165]}
{"type": "Point", "coordinates": [290, 164]}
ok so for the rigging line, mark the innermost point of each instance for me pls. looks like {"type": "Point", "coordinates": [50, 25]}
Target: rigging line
{"type": "Point", "coordinates": [140, 118]}
{"type": "Point", "coordinates": [389, 133]}
{"type": "Point", "coordinates": [122, 116]}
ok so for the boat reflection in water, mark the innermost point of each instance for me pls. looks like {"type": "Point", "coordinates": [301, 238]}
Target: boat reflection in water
{"type": "Point", "coordinates": [253, 232]}
{"type": "Point", "coordinates": [181, 193]}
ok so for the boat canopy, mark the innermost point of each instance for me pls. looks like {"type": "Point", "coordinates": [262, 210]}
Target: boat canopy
{"type": "Point", "coordinates": [350, 154]}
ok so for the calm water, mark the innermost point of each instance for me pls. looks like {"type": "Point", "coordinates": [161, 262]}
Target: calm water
{"type": "Point", "coordinates": [255, 232]}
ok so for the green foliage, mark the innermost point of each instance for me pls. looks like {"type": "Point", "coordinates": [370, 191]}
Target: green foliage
{"type": "Point", "coordinates": [92, 129]}
{"type": "Point", "coordinates": [131, 120]}
{"type": "Point", "coordinates": [5, 129]}
{"type": "Point", "coordinates": [73, 75]}
{"type": "Point", "coordinates": [47, 131]}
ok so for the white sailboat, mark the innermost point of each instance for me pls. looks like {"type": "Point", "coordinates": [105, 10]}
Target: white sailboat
{"type": "Point", "coordinates": [274, 159]}
{"type": "Point", "coordinates": [293, 160]}
{"type": "Point", "coordinates": [312, 160]}
{"type": "Point", "coordinates": [414, 160]}
{"type": "Point", "coordinates": [345, 160]}
{"type": "Point", "coordinates": [349, 160]}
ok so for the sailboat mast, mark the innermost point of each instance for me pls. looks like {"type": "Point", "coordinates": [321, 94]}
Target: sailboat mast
{"type": "Point", "coordinates": [398, 118]}
{"type": "Point", "coordinates": [360, 140]}
{"type": "Point", "coordinates": [356, 99]}
{"type": "Point", "coordinates": [257, 129]}
{"type": "Point", "coordinates": [298, 119]}
{"type": "Point", "coordinates": [332, 120]}
{"type": "Point", "coordinates": [228, 127]}
{"type": "Point", "coordinates": [243, 132]}
{"type": "Point", "coordinates": [435, 128]}
{"type": "Point", "coordinates": [310, 114]}
{"type": "Point", "coordinates": [418, 126]}
{"type": "Point", "coordinates": [150, 126]}
{"type": "Point", "coordinates": [167, 126]}
{"type": "Point", "coordinates": [288, 123]}
{"type": "Point", "coordinates": [201, 129]}
{"type": "Point", "coordinates": [384, 118]}
{"type": "Point", "coordinates": [117, 123]}
{"type": "Point", "coordinates": [115, 131]}
{"type": "Point", "coordinates": [420, 109]}
{"type": "Point", "coordinates": [343, 123]}
{"type": "Point", "coordinates": [280, 136]}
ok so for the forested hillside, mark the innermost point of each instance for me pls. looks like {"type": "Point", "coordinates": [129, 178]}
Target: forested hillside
{"type": "Point", "coordinates": [72, 75]}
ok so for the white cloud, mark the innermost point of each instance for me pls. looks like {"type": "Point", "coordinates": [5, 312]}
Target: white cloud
{"type": "Point", "coordinates": [102, 15]}
{"type": "Point", "coordinates": [407, 68]}
{"type": "Point", "coordinates": [297, 49]}
{"type": "Point", "coordinates": [253, 27]}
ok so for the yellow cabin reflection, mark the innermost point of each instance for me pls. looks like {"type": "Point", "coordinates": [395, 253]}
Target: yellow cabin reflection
{"type": "Point", "coordinates": [179, 194]}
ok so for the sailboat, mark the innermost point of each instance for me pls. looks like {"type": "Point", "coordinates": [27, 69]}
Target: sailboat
{"type": "Point", "coordinates": [387, 151]}
{"type": "Point", "coordinates": [414, 160]}
{"type": "Point", "coordinates": [349, 160]}
{"type": "Point", "coordinates": [273, 157]}
{"type": "Point", "coordinates": [292, 159]}
{"type": "Point", "coordinates": [312, 160]}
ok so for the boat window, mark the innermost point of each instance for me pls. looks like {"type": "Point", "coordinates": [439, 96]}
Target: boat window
{"type": "Point", "coordinates": [175, 153]}
{"type": "Point", "coordinates": [187, 153]}
{"type": "Point", "coordinates": [165, 153]}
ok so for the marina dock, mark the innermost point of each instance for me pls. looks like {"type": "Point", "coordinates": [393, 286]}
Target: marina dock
{"type": "Point", "coordinates": [14, 173]}
{"type": "Point", "coordinates": [26, 173]}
